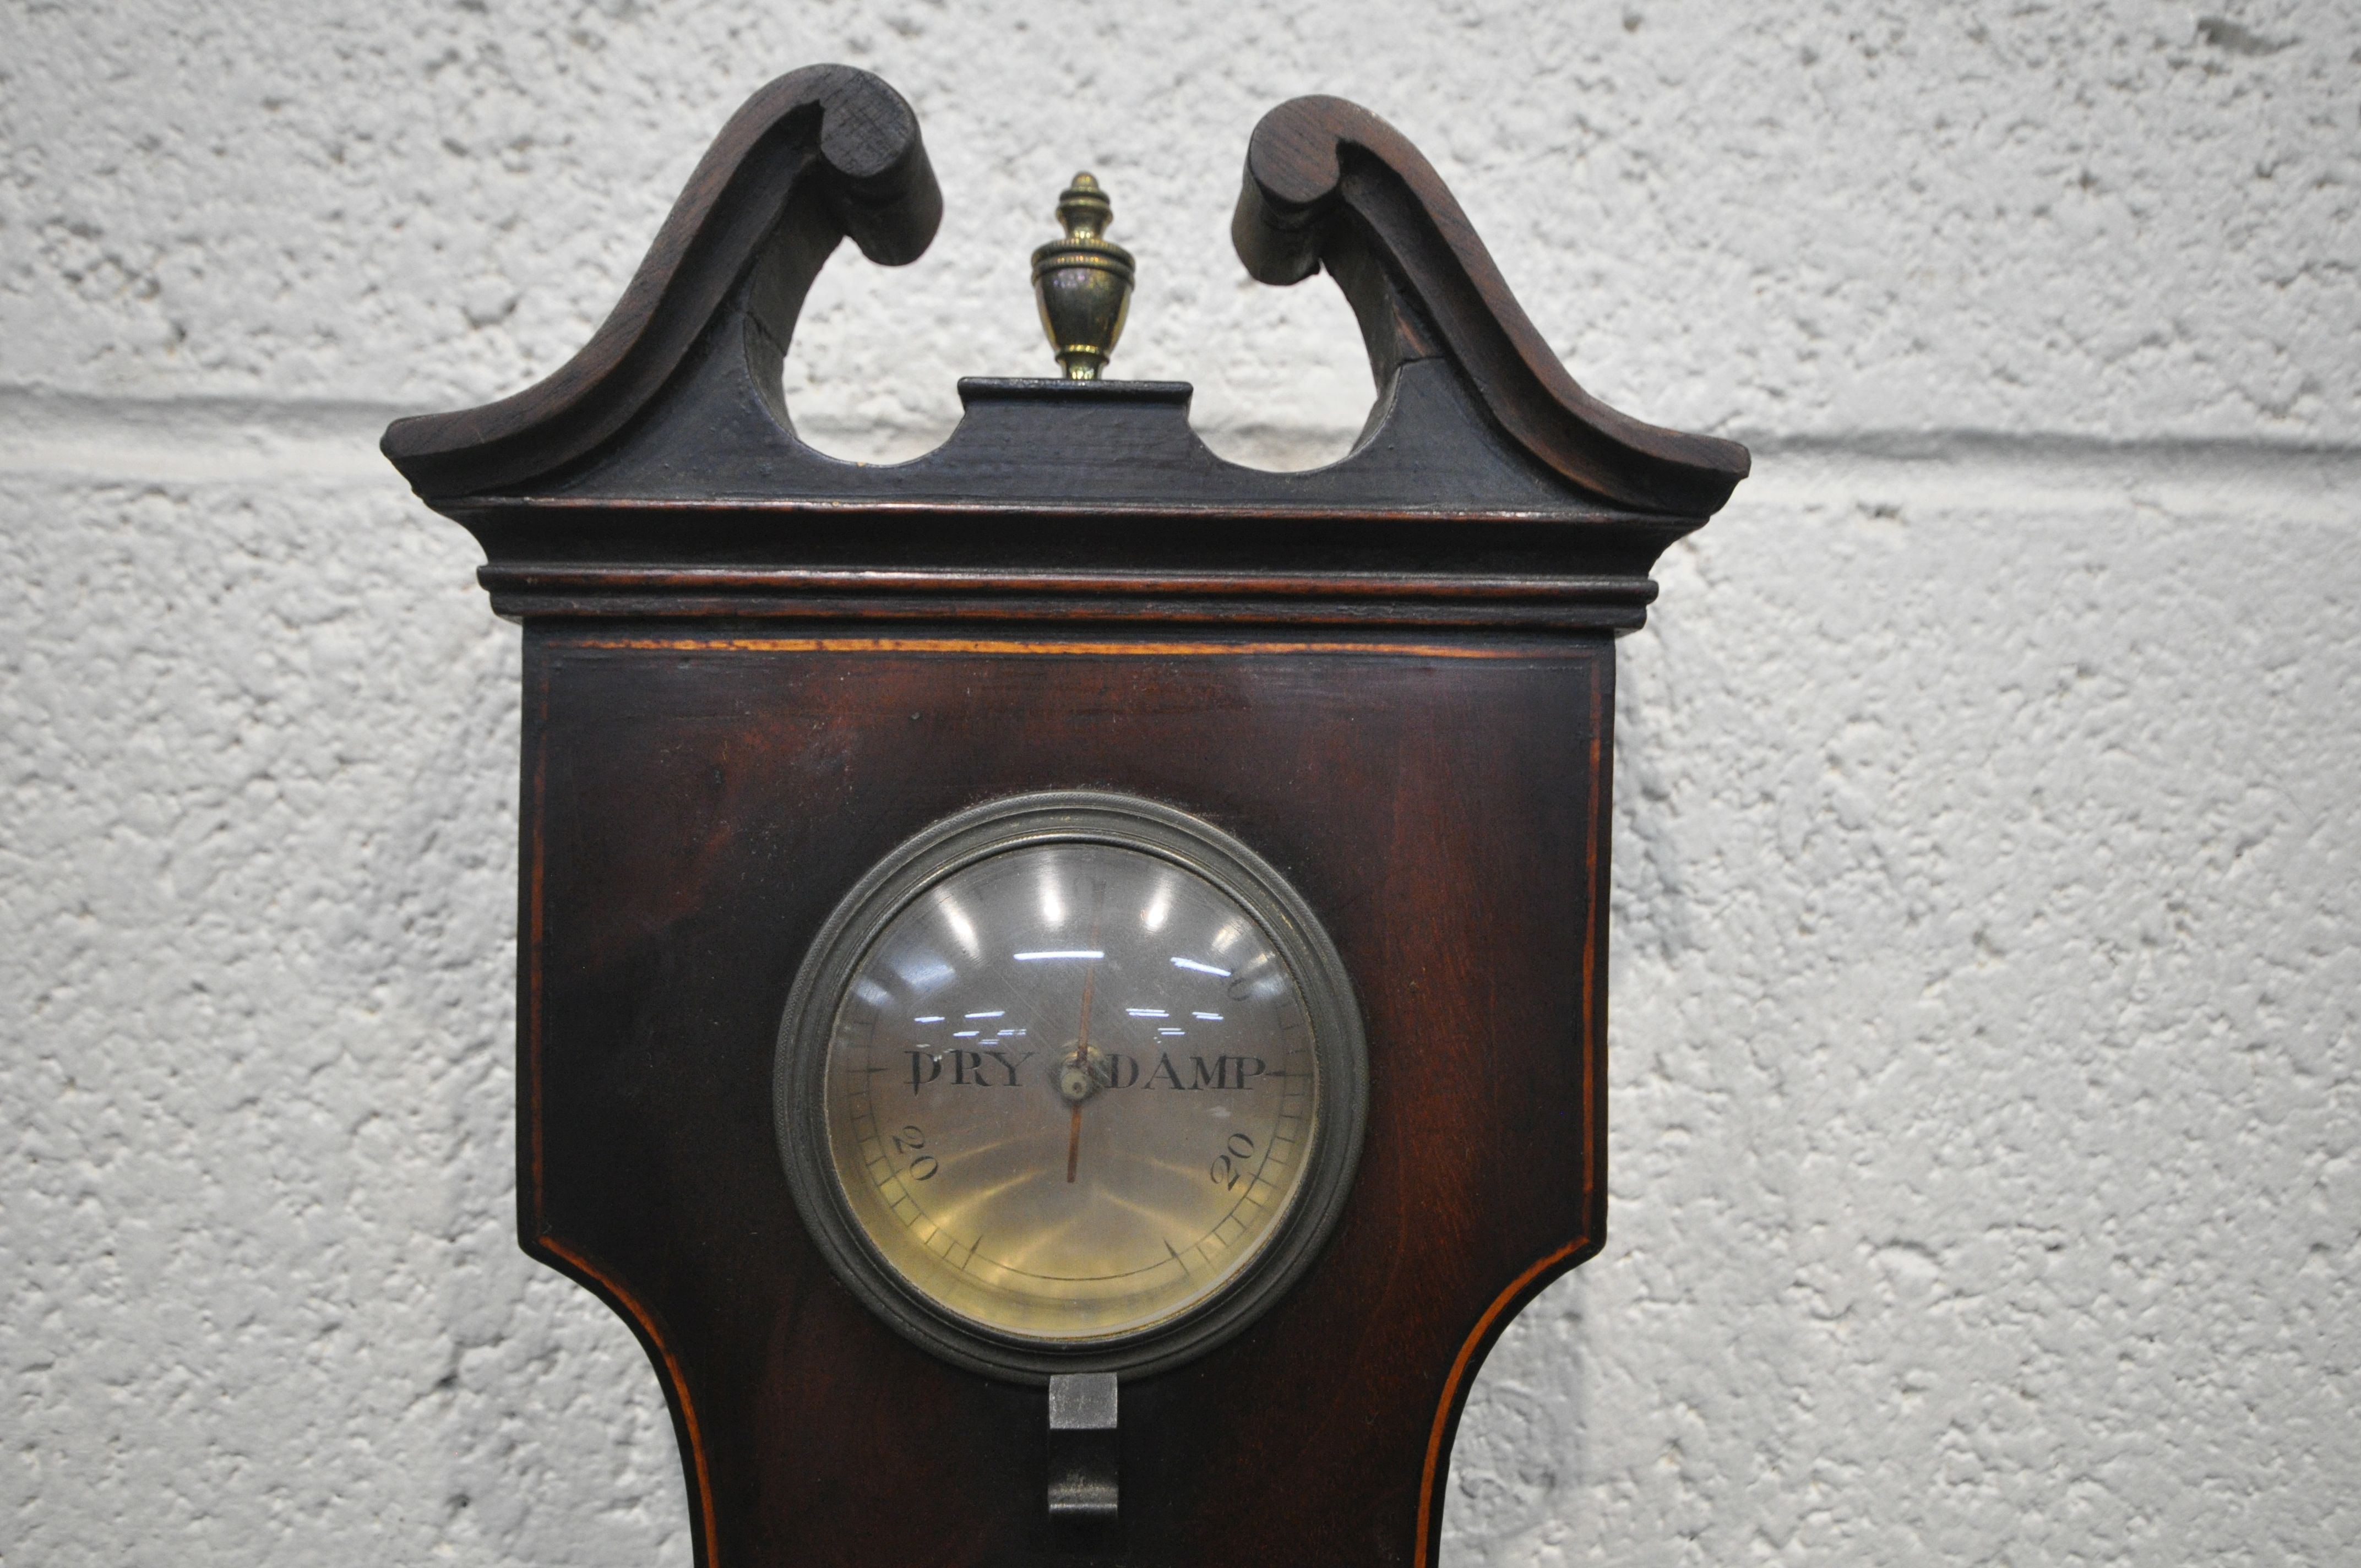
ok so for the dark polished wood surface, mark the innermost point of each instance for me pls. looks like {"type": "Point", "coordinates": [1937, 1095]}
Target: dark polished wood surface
{"type": "Point", "coordinates": [696, 805]}
{"type": "Point", "coordinates": [1331, 186]}
{"type": "Point", "coordinates": [678, 397]}
{"type": "Point", "coordinates": [752, 670]}
{"type": "Point", "coordinates": [816, 154]}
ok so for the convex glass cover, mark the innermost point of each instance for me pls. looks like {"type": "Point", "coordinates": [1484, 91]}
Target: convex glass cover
{"type": "Point", "coordinates": [1069, 1080]}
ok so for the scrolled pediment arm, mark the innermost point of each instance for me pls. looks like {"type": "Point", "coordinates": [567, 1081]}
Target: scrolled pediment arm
{"type": "Point", "coordinates": [1330, 184]}
{"type": "Point", "coordinates": [820, 154]}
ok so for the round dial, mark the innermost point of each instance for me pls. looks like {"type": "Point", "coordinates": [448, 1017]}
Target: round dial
{"type": "Point", "coordinates": [1072, 1077]}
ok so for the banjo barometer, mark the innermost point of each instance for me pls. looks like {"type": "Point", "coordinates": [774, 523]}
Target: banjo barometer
{"type": "Point", "coordinates": [1061, 983]}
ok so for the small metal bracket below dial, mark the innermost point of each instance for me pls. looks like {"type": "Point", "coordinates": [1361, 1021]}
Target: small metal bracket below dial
{"type": "Point", "coordinates": [1084, 1449]}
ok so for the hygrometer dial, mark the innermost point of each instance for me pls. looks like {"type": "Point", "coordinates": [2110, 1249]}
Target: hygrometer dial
{"type": "Point", "coordinates": [1071, 1083]}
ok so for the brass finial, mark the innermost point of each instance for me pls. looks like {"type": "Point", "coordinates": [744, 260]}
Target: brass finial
{"type": "Point", "coordinates": [1083, 282]}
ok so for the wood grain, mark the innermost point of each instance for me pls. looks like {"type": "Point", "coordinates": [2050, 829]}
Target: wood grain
{"type": "Point", "coordinates": [1329, 184]}
{"type": "Point", "coordinates": [1089, 500]}
{"type": "Point", "coordinates": [752, 670]}
{"type": "Point", "coordinates": [696, 810]}
{"type": "Point", "coordinates": [818, 154]}
{"type": "Point", "coordinates": [677, 396]}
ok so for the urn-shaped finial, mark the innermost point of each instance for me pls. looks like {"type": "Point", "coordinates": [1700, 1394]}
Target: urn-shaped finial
{"type": "Point", "coordinates": [1083, 282]}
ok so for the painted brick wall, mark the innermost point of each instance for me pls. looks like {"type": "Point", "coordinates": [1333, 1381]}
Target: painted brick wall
{"type": "Point", "coordinates": [1986, 1106]}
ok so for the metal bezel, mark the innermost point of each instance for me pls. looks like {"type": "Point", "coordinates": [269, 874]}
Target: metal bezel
{"type": "Point", "coordinates": [798, 1080]}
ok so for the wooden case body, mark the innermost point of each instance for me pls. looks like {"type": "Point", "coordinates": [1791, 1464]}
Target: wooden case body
{"type": "Point", "coordinates": [752, 671]}
{"type": "Point", "coordinates": [698, 802]}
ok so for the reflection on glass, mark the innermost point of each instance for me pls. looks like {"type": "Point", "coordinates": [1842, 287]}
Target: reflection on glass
{"type": "Point", "coordinates": [1078, 1163]}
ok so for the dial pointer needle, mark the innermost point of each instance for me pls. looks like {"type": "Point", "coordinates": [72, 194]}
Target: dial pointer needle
{"type": "Point", "coordinates": [1082, 1043]}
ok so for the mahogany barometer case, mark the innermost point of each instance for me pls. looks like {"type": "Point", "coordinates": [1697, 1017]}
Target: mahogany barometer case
{"type": "Point", "coordinates": [1062, 982]}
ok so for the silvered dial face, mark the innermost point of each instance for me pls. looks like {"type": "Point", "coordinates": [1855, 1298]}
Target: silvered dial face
{"type": "Point", "coordinates": [1071, 1091]}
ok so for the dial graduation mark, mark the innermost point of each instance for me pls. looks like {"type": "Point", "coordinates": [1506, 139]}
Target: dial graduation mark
{"type": "Point", "coordinates": [1231, 1081]}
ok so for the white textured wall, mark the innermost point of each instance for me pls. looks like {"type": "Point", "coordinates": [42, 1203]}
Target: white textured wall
{"type": "Point", "coordinates": [1985, 1112]}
